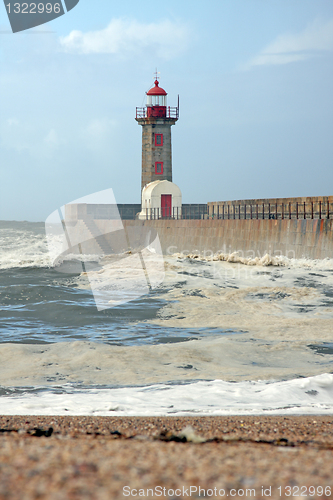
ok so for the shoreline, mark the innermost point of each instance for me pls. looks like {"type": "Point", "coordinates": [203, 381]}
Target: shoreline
{"type": "Point", "coordinates": [97, 457]}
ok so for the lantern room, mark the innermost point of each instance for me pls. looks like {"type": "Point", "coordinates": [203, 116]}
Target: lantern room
{"type": "Point", "coordinates": [156, 102]}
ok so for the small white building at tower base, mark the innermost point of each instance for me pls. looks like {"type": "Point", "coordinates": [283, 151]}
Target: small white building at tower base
{"type": "Point", "coordinates": [161, 200]}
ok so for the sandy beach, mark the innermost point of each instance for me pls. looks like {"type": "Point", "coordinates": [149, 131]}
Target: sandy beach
{"type": "Point", "coordinates": [102, 458]}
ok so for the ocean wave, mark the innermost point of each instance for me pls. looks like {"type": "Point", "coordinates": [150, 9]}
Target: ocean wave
{"type": "Point", "coordinates": [265, 260]}
{"type": "Point", "coordinates": [312, 395]}
{"type": "Point", "coordinates": [207, 356]}
{"type": "Point", "coordinates": [26, 249]}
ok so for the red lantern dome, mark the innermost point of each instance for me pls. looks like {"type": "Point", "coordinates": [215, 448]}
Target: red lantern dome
{"type": "Point", "coordinates": [156, 90]}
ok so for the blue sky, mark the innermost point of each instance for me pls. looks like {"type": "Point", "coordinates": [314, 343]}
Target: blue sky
{"type": "Point", "coordinates": [256, 106]}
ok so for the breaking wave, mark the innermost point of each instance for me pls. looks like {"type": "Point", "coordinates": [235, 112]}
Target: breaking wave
{"type": "Point", "coordinates": [265, 260]}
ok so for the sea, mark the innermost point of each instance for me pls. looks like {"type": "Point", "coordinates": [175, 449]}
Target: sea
{"type": "Point", "coordinates": [220, 335]}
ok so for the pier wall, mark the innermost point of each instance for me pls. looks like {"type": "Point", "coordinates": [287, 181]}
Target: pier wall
{"type": "Point", "coordinates": [293, 227]}
{"type": "Point", "coordinates": [253, 238]}
{"type": "Point", "coordinates": [309, 238]}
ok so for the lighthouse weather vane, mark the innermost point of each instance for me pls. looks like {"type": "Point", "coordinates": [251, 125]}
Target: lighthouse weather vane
{"type": "Point", "coordinates": [156, 74]}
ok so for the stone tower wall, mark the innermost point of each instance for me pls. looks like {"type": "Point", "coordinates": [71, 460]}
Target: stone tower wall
{"type": "Point", "coordinates": [152, 153]}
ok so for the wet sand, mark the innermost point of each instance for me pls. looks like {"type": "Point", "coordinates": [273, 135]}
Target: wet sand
{"type": "Point", "coordinates": [103, 458]}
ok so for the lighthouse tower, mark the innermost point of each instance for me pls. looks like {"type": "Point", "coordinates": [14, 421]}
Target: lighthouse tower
{"type": "Point", "coordinates": [156, 119]}
{"type": "Point", "coordinates": [160, 197]}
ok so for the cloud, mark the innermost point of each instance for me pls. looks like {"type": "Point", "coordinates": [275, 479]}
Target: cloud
{"type": "Point", "coordinates": [123, 37]}
{"type": "Point", "coordinates": [51, 139]}
{"type": "Point", "coordinates": [312, 41]}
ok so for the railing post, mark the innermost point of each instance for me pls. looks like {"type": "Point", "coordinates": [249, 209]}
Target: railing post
{"type": "Point", "coordinates": [320, 210]}
{"type": "Point", "coordinates": [296, 209]}
{"type": "Point", "coordinates": [311, 209]}
{"type": "Point", "coordinates": [234, 211]}
{"type": "Point", "coordinates": [245, 211]}
{"type": "Point", "coordinates": [269, 210]}
{"type": "Point", "coordinates": [239, 211]}
{"type": "Point", "coordinates": [251, 211]}
{"type": "Point", "coordinates": [257, 212]}
{"type": "Point", "coordinates": [304, 211]}
{"type": "Point", "coordinates": [282, 211]}
{"type": "Point", "coordinates": [289, 210]}
{"type": "Point", "coordinates": [228, 211]}
{"type": "Point", "coordinates": [218, 211]}
{"type": "Point", "coordinates": [263, 210]}
{"type": "Point", "coordinates": [223, 211]}
{"type": "Point", "coordinates": [328, 209]}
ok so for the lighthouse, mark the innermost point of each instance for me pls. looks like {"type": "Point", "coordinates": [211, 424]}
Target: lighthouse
{"type": "Point", "coordinates": [160, 197]}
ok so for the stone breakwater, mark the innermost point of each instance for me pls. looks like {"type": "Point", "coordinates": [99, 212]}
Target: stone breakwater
{"type": "Point", "coordinates": [302, 238]}
{"type": "Point", "coordinates": [289, 227]}
{"type": "Point", "coordinates": [311, 238]}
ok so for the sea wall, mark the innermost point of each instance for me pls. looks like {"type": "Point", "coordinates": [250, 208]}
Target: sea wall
{"type": "Point", "coordinates": [309, 238]}
{"type": "Point", "coordinates": [253, 238]}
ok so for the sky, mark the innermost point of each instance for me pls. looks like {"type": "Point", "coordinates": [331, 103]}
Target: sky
{"type": "Point", "coordinates": [256, 101]}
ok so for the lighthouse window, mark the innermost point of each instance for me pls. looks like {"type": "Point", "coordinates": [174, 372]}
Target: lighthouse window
{"type": "Point", "coordinates": [157, 100]}
{"type": "Point", "coordinates": [158, 139]}
{"type": "Point", "coordinates": [158, 167]}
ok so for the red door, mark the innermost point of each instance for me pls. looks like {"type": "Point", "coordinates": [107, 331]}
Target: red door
{"type": "Point", "coordinates": [166, 205]}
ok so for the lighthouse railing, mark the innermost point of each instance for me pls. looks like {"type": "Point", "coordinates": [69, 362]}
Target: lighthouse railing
{"type": "Point", "coordinates": [171, 112]}
{"type": "Point", "coordinates": [286, 209]}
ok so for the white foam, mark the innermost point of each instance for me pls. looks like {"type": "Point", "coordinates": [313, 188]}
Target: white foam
{"type": "Point", "coordinates": [24, 248]}
{"type": "Point", "coordinates": [273, 303]}
{"type": "Point", "coordinates": [312, 395]}
{"type": "Point", "coordinates": [261, 260]}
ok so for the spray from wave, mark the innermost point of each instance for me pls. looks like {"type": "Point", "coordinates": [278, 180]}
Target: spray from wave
{"type": "Point", "coordinates": [266, 260]}
{"type": "Point", "coordinates": [24, 245]}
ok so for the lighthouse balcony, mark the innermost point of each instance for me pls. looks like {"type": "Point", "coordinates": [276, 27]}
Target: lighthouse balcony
{"type": "Point", "coordinates": [157, 112]}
